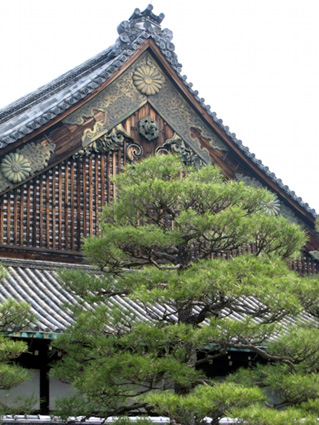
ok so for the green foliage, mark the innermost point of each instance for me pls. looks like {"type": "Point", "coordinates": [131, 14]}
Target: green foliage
{"type": "Point", "coordinates": [14, 316]}
{"type": "Point", "coordinates": [194, 252]}
{"type": "Point", "coordinates": [3, 272]}
{"type": "Point", "coordinates": [205, 401]}
{"type": "Point", "coordinates": [18, 405]}
{"type": "Point", "coordinates": [260, 415]}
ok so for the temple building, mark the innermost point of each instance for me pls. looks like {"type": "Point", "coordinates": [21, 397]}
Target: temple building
{"type": "Point", "coordinates": [59, 147]}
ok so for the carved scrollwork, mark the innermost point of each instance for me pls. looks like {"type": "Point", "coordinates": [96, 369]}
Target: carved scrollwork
{"type": "Point", "coordinates": [111, 141]}
{"type": "Point", "coordinates": [148, 128]}
{"type": "Point", "coordinates": [134, 152]}
{"type": "Point", "coordinates": [177, 145]}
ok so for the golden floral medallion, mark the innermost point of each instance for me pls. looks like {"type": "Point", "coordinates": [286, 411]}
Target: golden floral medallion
{"type": "Point", "coordinates": [272, 207]}
{"type": "Point", "coordinates": [147, 80]}
{"type": "Point", "coordinates": [15, 167]}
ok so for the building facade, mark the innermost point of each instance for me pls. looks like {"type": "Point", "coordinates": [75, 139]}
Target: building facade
{"type": "Point", "coordinates": [59, 148]}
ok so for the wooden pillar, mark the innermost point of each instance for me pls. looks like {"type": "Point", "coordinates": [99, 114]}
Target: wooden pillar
{"type": "Point", "coordinates": [44, 379]}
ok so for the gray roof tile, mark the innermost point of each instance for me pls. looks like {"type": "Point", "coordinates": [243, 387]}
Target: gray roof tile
{"type": "Point", "coordinates": [37, 283]}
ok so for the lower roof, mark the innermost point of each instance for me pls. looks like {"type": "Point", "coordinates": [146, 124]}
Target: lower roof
{"type": "Point", "coordinates": [37, 283]}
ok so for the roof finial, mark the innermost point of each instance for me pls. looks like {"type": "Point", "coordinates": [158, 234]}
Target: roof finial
{"type": "Point", "coordinates": [148, 14]}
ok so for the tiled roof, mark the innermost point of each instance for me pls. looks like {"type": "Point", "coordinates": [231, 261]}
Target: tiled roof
{"type": "Point", "coordinates": [37, 283]}
{"type": "Point", "coordinates": [34, 110]}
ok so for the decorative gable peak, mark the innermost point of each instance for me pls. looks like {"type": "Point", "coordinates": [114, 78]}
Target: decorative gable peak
{"type": "Point", "coordinates": [142, 25]}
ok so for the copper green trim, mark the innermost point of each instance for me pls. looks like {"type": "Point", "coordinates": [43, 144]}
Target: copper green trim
{"type": "Point", "coordinates": [213, 347]}
{"type": "Point", "coordinates": [35, 335]}
{"type": "Point", "coordinates": [54, 335]}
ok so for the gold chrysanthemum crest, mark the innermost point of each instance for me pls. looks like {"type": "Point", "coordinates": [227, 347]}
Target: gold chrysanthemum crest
{"type": "Point", "coordinates": [147, 80]}
{"type": "Point", "coordinates": [15, 167]}
{"type": "Point", "coordinates": [272, 207]}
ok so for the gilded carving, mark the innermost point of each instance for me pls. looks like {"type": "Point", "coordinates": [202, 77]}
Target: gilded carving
{"type": "Point", "coordinates": [147, 80]}
{"type": "Point", "coordinates": [110, 141]}
{"type": "Point", "coordinates": [214, 141]}
{"type": "Point", "coordinates": [314, 255]}
{"type": "Point", "coordinates": [288, 214]}
{"type": "Point", "coordinates": [15, 167]}
{"type": "Point", "coordinates": [117, 102]}
{"type": "Point", "coordinates": [19, 165]}
{"type": "Point", "coordinates": [182, 117]}
{"type": "Point", "coordinates": [134, 152]}
{"type": "Point", "coordinates": [149, 128]}
{"type": "Point", "coordinates": [273, 207]}
{"type": "Point", "coordinates": [269, 208]}
{"type": "Point", "coordinates": [121, 99]}
{"type": "Point", "coordinates": [177, 145]}
{"type": "Point", "coordinates": [249, 181]}
{"type": "Point", "coordinates": [38, 154]}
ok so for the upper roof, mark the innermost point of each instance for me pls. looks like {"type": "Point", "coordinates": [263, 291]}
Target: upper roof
{"type": "Point", "coordinates": [35, 110]}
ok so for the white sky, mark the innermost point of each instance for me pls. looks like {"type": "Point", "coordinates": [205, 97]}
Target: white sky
{"type": "Point", "coordinates": [256, 62]}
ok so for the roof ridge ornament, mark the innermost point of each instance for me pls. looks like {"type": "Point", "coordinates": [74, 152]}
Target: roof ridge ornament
{"type": "Point", "coordinates": [140, 22]}
{"type": "Point", "coordinates": [147, 13]}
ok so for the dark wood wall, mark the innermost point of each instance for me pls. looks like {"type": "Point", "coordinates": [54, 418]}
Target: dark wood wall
{"type": "Point", "coordinates": [54, 211]}
{"type": "Point", "coordinates": [48, 216]}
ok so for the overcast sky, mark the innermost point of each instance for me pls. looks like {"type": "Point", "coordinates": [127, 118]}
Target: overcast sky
{"type": "Point", "coordinates": [256, 62]}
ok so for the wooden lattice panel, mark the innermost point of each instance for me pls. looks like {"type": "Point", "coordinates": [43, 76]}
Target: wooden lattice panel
{"type": "Point", "coordinates": [55, 210]}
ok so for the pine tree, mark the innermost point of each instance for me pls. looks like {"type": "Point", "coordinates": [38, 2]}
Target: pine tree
{"type": "Point", "coordinates": [208, 268]}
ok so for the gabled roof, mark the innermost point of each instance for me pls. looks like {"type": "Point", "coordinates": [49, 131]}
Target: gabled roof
{"type": "Point", "coordinates": [31, 113]}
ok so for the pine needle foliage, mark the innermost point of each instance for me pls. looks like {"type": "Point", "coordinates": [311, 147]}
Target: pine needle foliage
{"type": "Point", "coordinates": [207, 268]}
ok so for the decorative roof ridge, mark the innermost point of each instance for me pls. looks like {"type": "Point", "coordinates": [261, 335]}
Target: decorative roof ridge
{"type": "Point", "coordinates": [45, 91]}
{"type": "Point", "coordinates": [132, 33]}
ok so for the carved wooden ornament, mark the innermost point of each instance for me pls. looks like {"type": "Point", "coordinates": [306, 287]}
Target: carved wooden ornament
{"type": "Point", "coordinates": [148, 128]}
